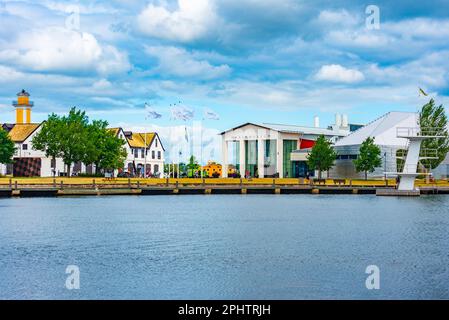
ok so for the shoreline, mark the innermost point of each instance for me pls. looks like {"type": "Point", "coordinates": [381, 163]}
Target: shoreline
{"type": "Point", "coordinates": [115, 190]}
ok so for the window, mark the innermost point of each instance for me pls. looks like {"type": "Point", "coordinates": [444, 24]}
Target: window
{"type": "Point", "coordinates": [24, 146]}
{"type": "Point", "coordinates": [136, 153]}
{"type": "Point", "coordinates": [155, 141]}
{"type": "Point", "coordinates": [346, 157]}
{"type": "Point", "coordinates": [158, 154]}
{"type": "Point", "coordinates": [142, 153]}
{"type": "Point", "coordinates": [153, 155]}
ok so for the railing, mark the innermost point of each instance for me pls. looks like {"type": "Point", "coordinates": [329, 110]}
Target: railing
{"type": "Point", "coordinates": [412, 168]}
{"type": "Point", "coordinates": [410, 132]}
{"type": "Point", "coordinates": [29, 104]}
{"type": "Point", "coordinates": [424, 154]}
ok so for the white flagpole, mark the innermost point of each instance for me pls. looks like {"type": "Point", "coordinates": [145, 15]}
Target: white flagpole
{"type": "Point", "coordinates": [145, 156]}
{"type": "Point", "coordinates": [201, 149]}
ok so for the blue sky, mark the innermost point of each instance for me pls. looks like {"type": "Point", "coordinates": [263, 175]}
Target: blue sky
{"type": "Point", "coordinates": [278, 61]}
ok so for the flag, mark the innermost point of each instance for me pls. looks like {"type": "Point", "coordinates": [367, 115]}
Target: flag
{"type": "Point", "coordinates": [151, 113]}
{"type": "Point", "coordinates": [181, 113]}
{"type": "Point", "coordinates": [186, 135]}
{"type": "Point", "coordinates": [211, 115]}
{"type": "Point", "coordinates": [421, 92]}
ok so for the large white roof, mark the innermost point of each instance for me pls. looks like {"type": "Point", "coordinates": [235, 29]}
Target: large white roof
{"type": "Point", "coordinates": [303, 129]}
{"type": "Point", "coordinates": [383, 130]}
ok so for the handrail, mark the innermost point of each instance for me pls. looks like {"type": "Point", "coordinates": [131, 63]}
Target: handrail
{"type": "Point", "coordinates": [419, 132]}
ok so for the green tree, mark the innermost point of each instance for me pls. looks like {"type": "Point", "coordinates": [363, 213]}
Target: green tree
{"type": "Point", "coordinates": [95, 143]}
{"type": "Point", "coordinates": [192, 166]}
{"type": "Point", "coordinates": [322, 156]}
{"type": "Point", "coordinates": [369, 157]}
{"type": "Point", "coordinates": [7, 147]}
{"type": "Point", "coordinates": [64, 137]}
{"type": "Point", "coordinates": [113, 154]}
{"type": "Point", "coordinates": [48, 138]}
{"type": "Point", "coordinates": [434, 117]}
{"type": "Point", "coordinates": [73, 137]}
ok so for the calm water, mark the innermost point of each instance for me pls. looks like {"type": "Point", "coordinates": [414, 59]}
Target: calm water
{"type": "Point", "coordinates": [225, 247]}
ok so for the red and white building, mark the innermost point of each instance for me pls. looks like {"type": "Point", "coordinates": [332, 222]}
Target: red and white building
{"type": "Point", "coordinates": [275, 150]}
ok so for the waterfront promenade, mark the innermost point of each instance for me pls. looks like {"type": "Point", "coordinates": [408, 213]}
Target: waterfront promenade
{"type": "Point", "coordinates": [123, 186]}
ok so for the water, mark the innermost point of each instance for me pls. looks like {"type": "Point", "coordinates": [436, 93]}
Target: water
{"type": "Point", "coordinates": [225, 247]}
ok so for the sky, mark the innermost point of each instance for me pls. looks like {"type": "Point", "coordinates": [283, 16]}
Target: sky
{"type": "Point", "coordinates": [277, 61]}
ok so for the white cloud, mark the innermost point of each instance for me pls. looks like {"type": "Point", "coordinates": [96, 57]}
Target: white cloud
{"type": "Point", "coordinates": [8, 74]}
{"type": "Point", "coordinates": [420, 28]}
{"type": "Point", "coordinates": [430, 71]}
{"type": "Point", "coordinates": [179, 62]}
{"type": "Point", "coordinates": [58, 49]}
{"type": "Point", "coordinates": [338, 73]}
{"type": "Point", "coordinates": [192, 20]}
{"type": "Point", "coordinates": [340, 17]}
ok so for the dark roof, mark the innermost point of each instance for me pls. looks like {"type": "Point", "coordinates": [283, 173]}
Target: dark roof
{"type": "Point", "coordinates": [8, 126]}
{"type": "Point", "coordinates": [23, 93]}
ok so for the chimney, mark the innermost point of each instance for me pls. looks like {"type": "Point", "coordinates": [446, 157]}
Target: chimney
{"type": "Point", "coordinates": [316, 122]}
{"type": "Point", "coordinates": [338, 120]}
{"type": "Point", "coordinates": [345, 122]}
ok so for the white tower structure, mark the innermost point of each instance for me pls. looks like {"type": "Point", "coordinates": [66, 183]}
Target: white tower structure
{"type": "Point", "coordinates": [415, 136]}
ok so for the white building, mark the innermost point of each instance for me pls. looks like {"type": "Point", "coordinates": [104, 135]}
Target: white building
{"type": "Point", "coordinates": [279, 149]}
{"type": "Point", "coordinates": [27, 161]}
{"type": "Point", "coordinates": [32, 163]}
{"type": "Point", "coordinates": [385, 134]}
{"type": "Point", "coordinates": [138, 155]}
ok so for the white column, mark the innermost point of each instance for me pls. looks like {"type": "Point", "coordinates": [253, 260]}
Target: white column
{"type": "Point", "coordinates": [224, 155]}
{"type": "Point", "coordinates": [261, 157]}
{"type": "Point", "coordinates": [242, 158]}
{"type": "Point", "coordinates": [407, 181]}
{"type": "Point", "coordinates": [280, 157]}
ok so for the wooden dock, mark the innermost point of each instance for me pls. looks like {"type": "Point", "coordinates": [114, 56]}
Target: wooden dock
{"type": "Point", "coordinates": [71, 191]}
{"type": "Point", "coordinates": [81, 187]}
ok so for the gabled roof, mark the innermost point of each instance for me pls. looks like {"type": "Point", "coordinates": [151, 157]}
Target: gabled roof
{"type": "Point", "coordinates": [287, 128]}
{"type": "Point", "coordinates": [383, 130]}
{"type": "Point", "coordinates": [137, 140]}
{"type": "Point", "coordinates": [115, 131]}
{"type": "Point", "coordinates": [244, 125]}
{"type": "Point", "coordinates": [20, 132]}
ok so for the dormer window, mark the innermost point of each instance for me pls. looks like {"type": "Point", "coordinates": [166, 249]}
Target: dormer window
{"type": "Point", "coordinates": [155, 141]}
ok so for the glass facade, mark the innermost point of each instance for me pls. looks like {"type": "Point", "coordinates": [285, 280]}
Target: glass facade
{"type": "Point", "coordinates": [251, 157]}
{"type": "Point", "coordinates": [289, 146]}
{"type": "Point", "coordinates": [236, 155]}
{"type": "Point", "coordinates": [300, 169]}
{"type": "Point", "coordinates": [270, 158]}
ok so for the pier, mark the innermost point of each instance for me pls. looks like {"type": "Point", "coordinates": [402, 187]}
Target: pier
{"type": "Point", "coordinates": [73, 187]}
